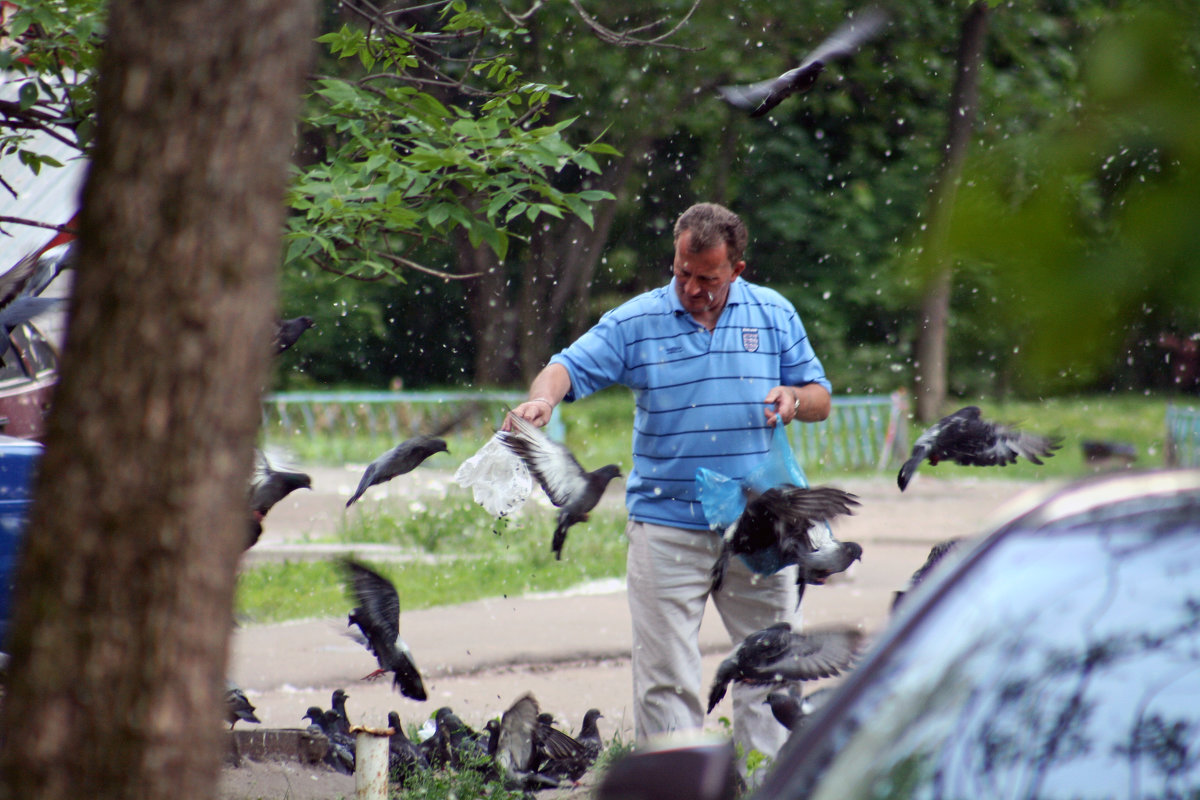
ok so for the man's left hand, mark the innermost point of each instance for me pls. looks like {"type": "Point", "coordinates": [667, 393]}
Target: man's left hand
{"type": "Point", "coordinates": [781, 405]}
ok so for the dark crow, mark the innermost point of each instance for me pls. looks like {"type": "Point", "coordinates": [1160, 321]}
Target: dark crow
{"type": "Point", "coordinates": [780, 520]}
{"type": "Point", "coordinates": [237, 706]}
{"type": "Point", "coordinates": [377, 615]}
{"type": "Point", "coordinates": [759, 98]}
{"type": "Point", "coordinates": [402, 458]}
{"type": "Point", "coordinates": [775, 655]}
{"type": "Point", "coordinates": [965, 438]}
{"type": "Point", "coordinates": [573, 490]}
{"type": "Point", "coordinates": [406, 757]}
{"type": "Point", "coordinates": [288, 331]}
{"type": "Point", "coordinates": [516, 745]}
{"type": "Point", "coordinates": [270, 485]}
{"type": "Point", "coordinates": [936, 554]}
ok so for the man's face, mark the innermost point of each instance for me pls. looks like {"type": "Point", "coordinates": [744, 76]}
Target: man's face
{"type": "Point", "coordinates": [702, 279]}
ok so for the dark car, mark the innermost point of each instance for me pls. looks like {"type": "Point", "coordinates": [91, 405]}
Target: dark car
{"type": "Point", "coordinates": [1057, 657]}
{"type": "Point", "coordinates": [27, 377]}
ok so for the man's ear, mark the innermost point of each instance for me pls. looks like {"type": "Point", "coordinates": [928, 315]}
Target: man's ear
{"type": "Point", "coordinates": [738, 267]}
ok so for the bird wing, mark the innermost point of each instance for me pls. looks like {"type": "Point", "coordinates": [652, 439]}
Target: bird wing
{"type": "Point", "coordinates": [514, 743]}
{"type": "Point", "coordinates": [847, 38]}
{"type": "Point", "coordinates": [550, 462]}
{"type": "Point", "coordinates": [812, 655]}
{"type": "Point", "coordinates": [378, 604]}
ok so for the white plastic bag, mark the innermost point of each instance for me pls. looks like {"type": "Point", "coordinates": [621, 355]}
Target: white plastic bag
{"type": "Point", "coordinates": [499, 480]}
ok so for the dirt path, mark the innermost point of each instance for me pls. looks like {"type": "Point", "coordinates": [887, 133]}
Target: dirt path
{"type": "Point", "coordinates": [571, 650]}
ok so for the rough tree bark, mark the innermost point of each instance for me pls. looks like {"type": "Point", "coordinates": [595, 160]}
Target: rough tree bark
{"type": "Point", "coordinates": [124, 594]}
{"type": "Point", "coordinates": [931, 347]}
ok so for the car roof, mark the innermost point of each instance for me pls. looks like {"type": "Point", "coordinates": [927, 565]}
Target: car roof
{"type": "Point", "coordinates": [1043, 509]}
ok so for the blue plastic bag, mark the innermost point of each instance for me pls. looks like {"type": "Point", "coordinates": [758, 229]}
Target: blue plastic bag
{"type": "Point", "coordinates": [722, 499]}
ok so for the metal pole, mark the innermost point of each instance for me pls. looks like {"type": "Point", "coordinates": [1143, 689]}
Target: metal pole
{"type": "Point", "coordinates": [371, 762]}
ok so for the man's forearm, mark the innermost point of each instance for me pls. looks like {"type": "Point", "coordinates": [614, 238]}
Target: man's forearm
{"type": "Point", "coordinates": [814, 402]}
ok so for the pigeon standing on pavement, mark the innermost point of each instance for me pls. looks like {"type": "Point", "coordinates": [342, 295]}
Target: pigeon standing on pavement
{"type": "Point", "coordinates": [288, 332]}
{"type": "Point", "coordinates": [238, 707]}
{"type": "Point", "coordinates": [404, 457]}
{"type": "Point", "coordinates": [341, 753]}
{"type": "Point", "coordinates": [781, 518]}
{"type": "Point", "coordinates": [571, 488]}
{"type": "Point", "coordinates": [377, 615]}
{"type": "Point", "coordinates": [338, 705]}
{"type": "Point", "coordinates": [965, 438]}
{"type": "Point", "coordinates": [270, 485]}
{"type": "Point", "coordinates": [403, 754]}
{"type": "Point", "coordinates": [759, 98]}
{"type": "Point", "coordinates": [776, 655]}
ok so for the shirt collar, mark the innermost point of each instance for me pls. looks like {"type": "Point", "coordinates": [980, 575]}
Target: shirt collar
{"type": "Point", "coordinates": [737, 294]}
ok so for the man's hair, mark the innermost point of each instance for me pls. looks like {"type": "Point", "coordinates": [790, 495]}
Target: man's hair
{"type": "Point", "coordinates": [711, 224]}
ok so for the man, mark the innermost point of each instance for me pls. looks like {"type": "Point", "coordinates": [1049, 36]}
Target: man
{"type": "Point", "coordinates": [714, 362]}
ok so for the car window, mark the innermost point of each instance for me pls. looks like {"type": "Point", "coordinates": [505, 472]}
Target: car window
{"type": "Point", "coordinates": [1065, 665]}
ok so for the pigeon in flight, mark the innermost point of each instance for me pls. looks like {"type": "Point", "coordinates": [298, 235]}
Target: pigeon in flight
{"type": "Point", "coordinates": [404, 457]}
{"type": "Point", "coordinates": [269, 486]}
{"type": "Point", "coordinates": [776, 655]}
{"type": "Point", "coordinates": [782, 518]}
{"type": "Point", "coordinates": [759, 98]}
{"type": "Point", "coordinates": [572, 489]}
{"type": "Point", "coordinates": [238, 707]}
{"type": "Point", "coordinates": [288, 332]}
{"type": "Point", "coordinates": [377, 615]}
{"type": "Point", "coordinates": [936, 554]}
{"type": "Point", "coordinates": [966, 438]}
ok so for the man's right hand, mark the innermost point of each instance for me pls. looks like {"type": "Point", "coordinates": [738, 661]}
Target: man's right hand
{"type": "Point", "coordinates": [537, 411]}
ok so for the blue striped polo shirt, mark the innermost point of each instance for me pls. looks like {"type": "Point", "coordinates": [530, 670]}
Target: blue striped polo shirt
{"type": "Point", "coordinates": [698, 397]}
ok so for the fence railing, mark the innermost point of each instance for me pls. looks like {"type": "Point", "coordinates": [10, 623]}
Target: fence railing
{"type": "Point", "coordinates": [862, 432]}
{"type": "Point", "coordinates": [1183, 437]}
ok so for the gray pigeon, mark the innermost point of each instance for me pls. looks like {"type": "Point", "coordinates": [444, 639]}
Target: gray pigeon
{"type": "Point", "coordinates": [965, 438]}
{"type": "Point", "coordinates": [404, 457]}
{"type": "Point", "coordinates": [759, 98]}
{"type": "Point", "coordinates": [571, 488]}
{"type": "Point", "coordinates": [238, 707]}
{"type": "Point", "coordinates": [776, 655]}
{"type": "Point", "coordinates": [269, 486]}
{"type": "Point", "coordinates": [288, 332]}
{"type": "Point", "coordinates": [780, 519]}
{"type": "Point", "coordinates": [405, 758]}
{"type": "Point", "coordinates": [936, 554]}
{"type": "Point", "coordinates": [792, 709]}
{"type": "Point", "coordinates": [377, 615]}
{"type": "Point", "coordinates": [516, 744]}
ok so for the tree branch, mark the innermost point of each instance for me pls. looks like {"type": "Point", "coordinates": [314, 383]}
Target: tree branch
{"type": "Point", "coordinates": [33, 223]}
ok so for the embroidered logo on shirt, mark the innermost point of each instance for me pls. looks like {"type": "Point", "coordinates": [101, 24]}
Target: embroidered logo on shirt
{"type": "Point", "coordinates": [750, 339]}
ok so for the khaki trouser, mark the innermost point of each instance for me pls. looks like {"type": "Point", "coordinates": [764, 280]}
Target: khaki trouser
{"type": "Point", "coordinates": [668, 581]}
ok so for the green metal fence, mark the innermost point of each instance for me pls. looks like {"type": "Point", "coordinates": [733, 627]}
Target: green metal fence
{"type": "Point", "coordinates": [1183, 437]}
{"type": "Point", "coordinates": [862, 432]}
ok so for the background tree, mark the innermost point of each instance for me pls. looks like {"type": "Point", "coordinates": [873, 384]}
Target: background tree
{"type": "Point", "coordinates": [123, 597]}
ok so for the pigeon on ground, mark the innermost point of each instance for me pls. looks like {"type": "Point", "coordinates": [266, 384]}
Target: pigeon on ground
{"type": "Point", "coordinates": [237, 706]}
{"type": "Point", "coordinates": [377, 615]}
{"type": "Point", "coordinates": [572, 489]}
{"type": "Point", "coordinates": [775, 655]}
{"type": "Point", "coordinates": [404, 457]}
{"type": "Point", "coordinates": [454, 743]}
{"type": "Point", "coordinates": [965, 438]}
{"type": "Point", "coordinates": [341, 752]}
{"type": "Point", "coordinates": [793, 710]}
{"type": "Point", "coordinates": [270, 485]}
{"type": "Point", "coordinates": [936, 554]}
{"type": "Point", "coordinates": [558, 754]}
{"type": "Point", "coordinates": [288, 331]}
{"type": "Point", "coordinates": [516, 744]}
{"type": "Point", "coordinates": [759, 98]}
{"type": "Point", "coordinates": [589, 735]}
{"type": "Point", "coordinates": [781, 518]}
{"type": "Point", "coordinates": [405, 758]}
{"type": "Point", "coordinates": [340, 718]}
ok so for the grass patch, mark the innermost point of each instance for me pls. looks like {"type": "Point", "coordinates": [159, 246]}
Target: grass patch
{"type": "Point", "coordinates": [476, 555]}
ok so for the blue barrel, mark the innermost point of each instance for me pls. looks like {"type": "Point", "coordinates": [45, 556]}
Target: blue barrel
{"type": "Point", "coordinates": [18, 460]}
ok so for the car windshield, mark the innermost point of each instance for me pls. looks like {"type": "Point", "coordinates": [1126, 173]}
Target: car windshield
{"type": "Point", "coordinates": [1065, 665]}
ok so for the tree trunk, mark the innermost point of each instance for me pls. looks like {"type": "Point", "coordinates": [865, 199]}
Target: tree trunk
{"type": "Point", "coordinates": [124, 593]}
{"type": "Point", "coordinates": [932, 363]}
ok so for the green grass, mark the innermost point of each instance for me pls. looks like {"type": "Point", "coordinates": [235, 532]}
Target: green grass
{"type": "Point", "coordinates": [477, 556]}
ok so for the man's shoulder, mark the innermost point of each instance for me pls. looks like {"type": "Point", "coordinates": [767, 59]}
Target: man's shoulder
{"type": "Point", "coordinates": [651, 303]}
{"type": "Point", "coordinates": [767, 298]}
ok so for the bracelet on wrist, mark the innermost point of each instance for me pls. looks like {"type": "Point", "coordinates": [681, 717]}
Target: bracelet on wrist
{"type": "Point", "coordinates": [545, 400]}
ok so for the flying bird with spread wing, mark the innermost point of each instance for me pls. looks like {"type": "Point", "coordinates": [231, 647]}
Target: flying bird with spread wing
{"type": "Point", "coordinates": [571, 488]}
{"type": "Point", "coordinates": [268, 487]}
{"type": "Point", "coordinates": [759, 98]}
{"type": "Point", "coordinates": [377, 615]}
{"type": "Point", "coordinates": [966, 438]}
{"type": "Point", "coordinates": [288, 332]}
{"type": "Point", "coordinates": [776, 655]}
{"type": "Point", "coordinates": [404, 457]}
{"type": "Point", "coordinates": [782, 519]}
